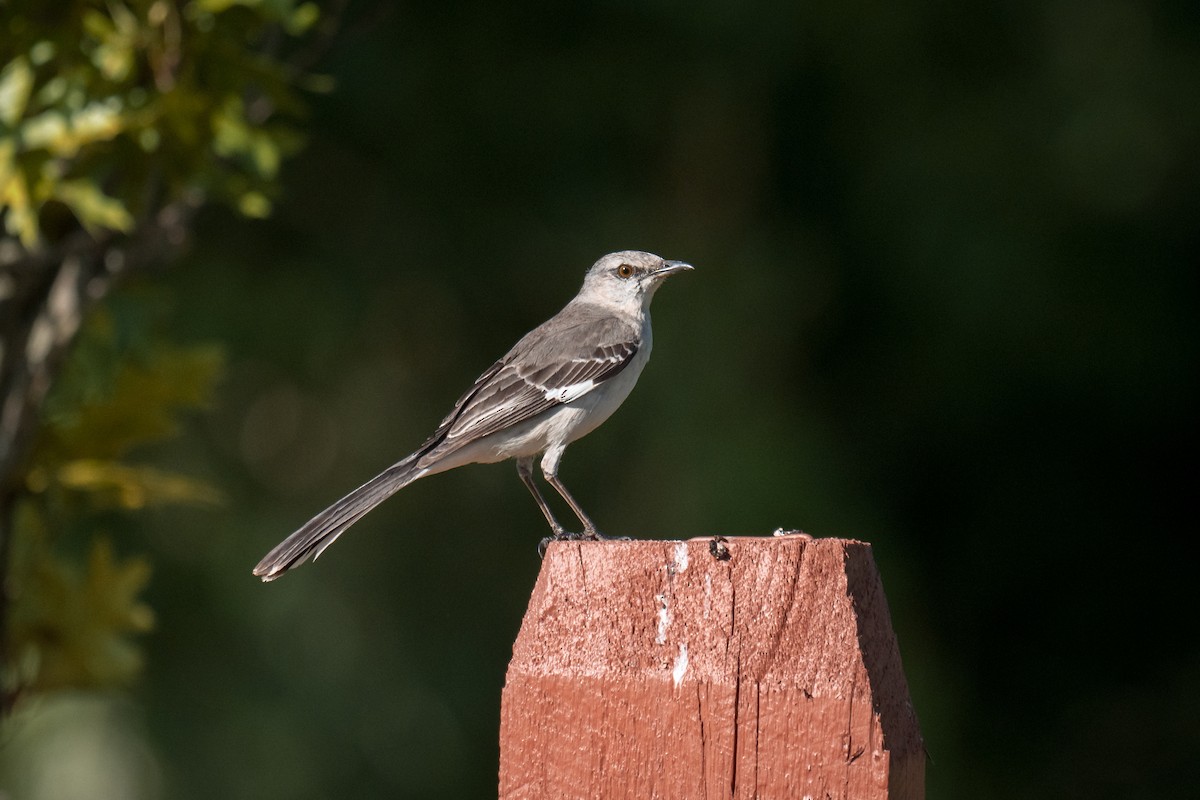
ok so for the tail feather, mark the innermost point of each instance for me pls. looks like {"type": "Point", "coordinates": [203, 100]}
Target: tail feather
{"type": "Point", "coordinates": [324, 529]}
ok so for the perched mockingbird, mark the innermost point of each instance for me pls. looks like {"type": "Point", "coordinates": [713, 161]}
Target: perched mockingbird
{"type": "Point", "coordinates": [557, 384]}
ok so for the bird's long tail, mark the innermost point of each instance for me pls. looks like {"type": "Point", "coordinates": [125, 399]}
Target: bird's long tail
{"type": "Point", "coordinates": [323, 529]}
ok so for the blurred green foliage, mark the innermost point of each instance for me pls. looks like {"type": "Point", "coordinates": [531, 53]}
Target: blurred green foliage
{"type": "Point", "coordinates": [110, 109]}
{"type": "Point", "coordinates": [110, 112]}
{"type": "Point", "coordinates": [70, 624]}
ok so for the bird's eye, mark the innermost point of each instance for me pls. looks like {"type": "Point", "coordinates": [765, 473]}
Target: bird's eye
{"type": "Point", "coordinates": [624, 271]}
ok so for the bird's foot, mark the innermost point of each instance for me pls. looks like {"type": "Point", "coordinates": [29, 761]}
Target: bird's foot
{"type": "Point", "coordinates": [581, 536]}
{"type": "Point", "coordinates": [586, 535]}
{"type": "Point", "coordinates": [595, 535]}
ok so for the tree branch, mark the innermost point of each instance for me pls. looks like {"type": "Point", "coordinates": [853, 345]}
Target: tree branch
{"type": "Point", "coordinates": [44, 296]}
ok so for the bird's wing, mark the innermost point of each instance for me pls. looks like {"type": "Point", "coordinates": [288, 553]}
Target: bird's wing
{"type": "Point", "coordinates": [521, 391]}
{"type": "Point", "coordinates": [552, 366]}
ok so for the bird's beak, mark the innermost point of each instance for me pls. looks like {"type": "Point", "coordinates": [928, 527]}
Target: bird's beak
{"type": "Point", "coordinates": [671, 267]}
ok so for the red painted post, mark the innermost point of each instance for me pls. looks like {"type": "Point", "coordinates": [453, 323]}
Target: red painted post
{"type": "Point", "coordinates": [739, 668]}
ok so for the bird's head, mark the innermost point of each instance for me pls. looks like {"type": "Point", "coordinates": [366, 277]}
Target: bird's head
{"type": "Point", "coordinates": [629, 278]}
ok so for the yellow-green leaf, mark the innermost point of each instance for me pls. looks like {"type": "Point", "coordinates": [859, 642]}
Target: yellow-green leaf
{"type": "Point", "coordinates": [71, 629]}
{"type": "Point", "coordinates": [16, 84]}
{"type": "Point", "coordinates": [138, 404]}
{"type": "Point", "coordinates": [254, 204]}
{"type": "Point", "coordinates": [64, 135]}
{"type": "Point", "coordinates": [21, 217]}
{"type": "Point", "coordinates": [133, 487]}
{"type": "Point", "coordinates": [266, 155]}
{"type": "Point", "coordinates": [303, 18]}
{"type": "Point", "coordinates": [93, 207]}
{"type": "Point", "coordinates": [42, 52]}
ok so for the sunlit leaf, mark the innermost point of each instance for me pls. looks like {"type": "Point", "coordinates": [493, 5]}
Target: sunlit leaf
{"type": "Point", "coordinates": [230, 132]}
{"type": "Point", "coordinates": [42, 52]}
{"type": "Point", "coordinates": [16, 83]}
{"type": "Point", "coordinates": [53, 91]}
{"type": "Point", "coordinates": [140, 405]}
{"type": "Point", "coordinates": [159, 91]}
{"type": "Point", "coordinates": [20, 218]}
{"type": "Point", "coordinates": [64, 134]}
{"type": "Point", "coordinates": [303, 18]}
{"type": "Point", "coordinates": [234, 136]}
{"type": "Point", "coordinates": [98, 26]}
{"type": "Point", "coordinates": [112, 483]}
{"type": "Point", "coordinates": [46, 130]}
{"type": "Point", "coordinates": [266, 155]}
{"type": "Point", "coordinates": [254, 204]}
{"type": "Point", "coordinates": [93, 208]}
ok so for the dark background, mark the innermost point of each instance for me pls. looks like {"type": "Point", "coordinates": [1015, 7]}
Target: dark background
{"type": "Point", "coordinates": [944, 302]}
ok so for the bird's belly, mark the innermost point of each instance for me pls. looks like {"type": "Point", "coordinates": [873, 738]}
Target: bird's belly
{"type": "Point", "coordinates": [559, 425]}
{"type": "Point", "coordinates": [600, 405]}
{"type": "Point", "coordinates": [562, 425]}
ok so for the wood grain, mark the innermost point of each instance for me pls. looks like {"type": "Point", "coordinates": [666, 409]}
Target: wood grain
{"type": "Point", "coordinates": [650, 669]}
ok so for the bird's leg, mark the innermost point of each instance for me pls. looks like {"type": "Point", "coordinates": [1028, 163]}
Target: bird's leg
{"type": "Point", "coordinates": [550, 472]}
{"type": "Point", "coordinates": [525, 470]}
{"type": "Point", "coordinates": [590, 531]}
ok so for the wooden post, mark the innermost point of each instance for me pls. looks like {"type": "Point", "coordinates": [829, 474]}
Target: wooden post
{"type": "Point", "coordinates": [711, 668]}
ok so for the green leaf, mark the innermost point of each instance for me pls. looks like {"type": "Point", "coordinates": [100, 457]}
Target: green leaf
{"type": "Point", "coordinates": [71, 624]}
{"type": "Point", "coordinates": [20, 218]}
{"type": "Point", "coordinates": [70, 628]}
{"type": "Point", "coordinates": [234, 137]}
{"type": "Point", "coordinates": [93, 208]}
{"type": "Point", "coordinates": [42, 52]}
{"type": "Point", "coordinates": [65, 134]}
{"type": "Point", "coordinates": [16, 84]}
{"type": "Point", "coordinates": [122, 386]}
{"type": "Point", "coordinates": [303, 18]}
{"type": "Point", "coordinates": [254, 205]}
{"type": "Point", "coordinates": [140, 404]}
{"type": "Point", "coordinates": [113, 484]}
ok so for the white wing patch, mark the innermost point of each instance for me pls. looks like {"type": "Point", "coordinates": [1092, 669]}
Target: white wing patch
{"type": "Point", "coordinates": [511, 392]}
{"type": "Point", "coordinates": [567, 394]}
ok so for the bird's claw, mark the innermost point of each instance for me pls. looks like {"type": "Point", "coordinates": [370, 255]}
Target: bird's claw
{"type": "Point", "coordinates": [592, 535]}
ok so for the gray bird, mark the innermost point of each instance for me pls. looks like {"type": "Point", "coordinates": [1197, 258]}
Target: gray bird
{"type": "Point", "coordinates": [557, 384]}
